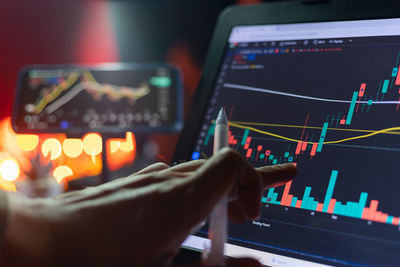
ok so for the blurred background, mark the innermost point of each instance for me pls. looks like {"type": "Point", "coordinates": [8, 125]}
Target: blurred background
{"type": "Point", "coordinates": [97, 31]}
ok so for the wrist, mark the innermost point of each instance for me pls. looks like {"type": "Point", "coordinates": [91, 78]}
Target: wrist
{"type": "Point", "coordinates": [25, 236]}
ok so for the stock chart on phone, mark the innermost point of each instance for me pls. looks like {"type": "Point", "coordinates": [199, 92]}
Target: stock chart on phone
{"type": "Point", "coordinates": [67, 98]}
{"type": "Point", "coordinates": [332, 107]}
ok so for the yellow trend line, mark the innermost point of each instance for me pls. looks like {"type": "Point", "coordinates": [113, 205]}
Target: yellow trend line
{"type": "Point", "coordinates": [109, 89]}
{"type": "Point", "coordinates": [88, 75]}
{"type": "Point", "coordinates": [363, 136]}
{"type": "Point", "coordinates": [329, 142]}
{"type": "Point", "coordinates": [308, 127]}
{"type": "Point", "coordinates": [55, 93]}
{"type": "Point", "coordinates": [73, 77]}
{"type": "Point", "coordinates": [263, 132]}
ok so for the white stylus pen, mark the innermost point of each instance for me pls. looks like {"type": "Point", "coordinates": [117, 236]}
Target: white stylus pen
{"type": "Point", "coordinates": [217, 231]}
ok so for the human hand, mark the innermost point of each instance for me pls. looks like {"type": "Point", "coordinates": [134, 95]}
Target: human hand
{"type": "Point", "coordinates": [139, 220]}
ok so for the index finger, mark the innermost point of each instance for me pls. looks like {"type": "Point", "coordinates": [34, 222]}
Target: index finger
{"type": "Point", "coordinates": [277, 175]}
{"type": "Point", "coordinates": [253, 181]}
{"type": "Point", "coordinates": [228, 170]}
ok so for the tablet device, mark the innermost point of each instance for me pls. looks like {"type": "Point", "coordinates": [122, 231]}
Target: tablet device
{"type": "Point", "coordinates": [105, 98]}
{"type": "Point", "coordinates": [317, 85]}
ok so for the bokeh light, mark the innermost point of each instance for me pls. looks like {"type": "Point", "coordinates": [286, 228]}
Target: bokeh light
{"type": "Point", "coordinates": [114, 146]}
{"type": "Point", "coordinates": [125, 145]}
{"type": "Point", "coordinates": [128, 144]}
{"type": "Point", "coordinates": [52, 146]}
{"type": "Point", "coordinates": [27, 142]}
{"type": "Point", "coordinates": [61, 172]}
{"type": "Point", "coordinates": [9, 170]}
{"type": "Point", "coordinates": [72, 147]}
{"type": "Point", "coordinates": [92, 144]}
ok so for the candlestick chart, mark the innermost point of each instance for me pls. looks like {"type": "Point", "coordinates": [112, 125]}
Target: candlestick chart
{"type": "Point", "coordinates": [336, 116]}
{"type": "Point", "coordinates": [311, 142]}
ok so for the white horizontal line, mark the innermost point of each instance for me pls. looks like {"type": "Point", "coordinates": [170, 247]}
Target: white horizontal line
{"type": "Point", "coordinates": [268, 91]}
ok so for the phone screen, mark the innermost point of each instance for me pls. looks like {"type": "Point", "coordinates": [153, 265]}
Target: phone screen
{"type": "Point", "coordinates": [103, 99]}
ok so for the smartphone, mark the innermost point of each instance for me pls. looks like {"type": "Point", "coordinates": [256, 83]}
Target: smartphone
{"type": "Point", "coordinates": [106, 98]}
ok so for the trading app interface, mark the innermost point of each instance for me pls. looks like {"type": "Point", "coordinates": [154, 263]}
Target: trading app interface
{"type": "Point", "coordinates": [97, 99]}
{"type": "Point", "coordinates": [324, 96]}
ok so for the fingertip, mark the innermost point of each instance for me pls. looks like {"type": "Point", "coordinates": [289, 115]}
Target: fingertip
{"type": "Point", "coordinates": [277, 175]}
{"type": "Point", "coordinates": [290, 168]}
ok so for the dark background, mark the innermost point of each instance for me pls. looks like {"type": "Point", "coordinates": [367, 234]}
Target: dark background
{"type": "Point", "coordinates": [94, 31]}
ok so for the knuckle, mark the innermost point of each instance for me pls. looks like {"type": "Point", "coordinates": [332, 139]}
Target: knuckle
{"type": "Point", "coordinates": [229, 154]}
{"type": "Point", "coordinates": [200, 161]}
{"type": "Point", "coordinates": [160, 165]}
{"type": "Point", "coordinates": [230, 159]}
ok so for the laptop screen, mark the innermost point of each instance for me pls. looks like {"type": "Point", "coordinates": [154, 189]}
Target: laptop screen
{"type": "Point", "coordinates": [325, 96]}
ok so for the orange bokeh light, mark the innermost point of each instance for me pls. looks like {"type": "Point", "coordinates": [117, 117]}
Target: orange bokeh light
{"type": "Point", "coordinates": [114, 146]}
{"type": "Point", "coordinates": [128, 144]}
{"type": "Point", "coordinates": [92, 144]}
{"type": "Point", "coordinates": [62, 172]}
{"type": "Point", "coordinates": [72, 147]}
{"type": "Point", "coordinates": [27, 142]}
{"type": "Point", "coordinates": [125, 145]}
{"type": "Point", "coordinates": [72, 158]}
{"type": "Point", "coordinates": [52, 146]}
{"type": "Point", "coordinates": [121, 152]}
